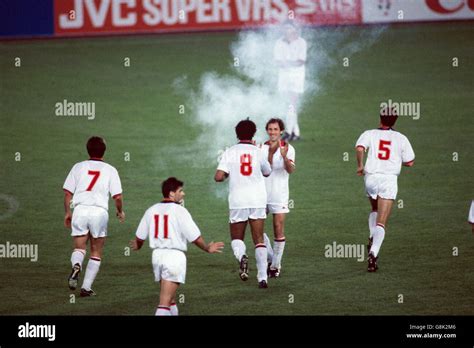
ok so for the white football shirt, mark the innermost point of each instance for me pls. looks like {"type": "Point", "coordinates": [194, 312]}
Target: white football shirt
{"type": "Point", "coordinates": [387, 150]}
{"type": "Point", "coordinates": [246, 165]}
{"type": "Point", "coordinates": [168, 225]}
{"type": "Point", "coordinates": [291, 51]}
{"type": "Point", "coordinates": [277, 184]}
{"type": "Point", "coordinates": [91, 182]}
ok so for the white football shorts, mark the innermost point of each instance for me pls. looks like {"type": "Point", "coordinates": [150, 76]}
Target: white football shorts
{"type": "Point", "coordinates": [169, 264]}
{"type": "Point", "coordinates": [241, 215]}
{"type": "Point", "coordinates": [291, 81]}
{"type": "Point", "coordinates": [277, 208]}
{"type": "Point", "coordinates": [381, 185]}
{"type": "Point", "coordinates": [89, 219]}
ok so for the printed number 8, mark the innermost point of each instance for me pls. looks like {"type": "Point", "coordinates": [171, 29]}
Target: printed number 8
{"type": "Point", "coordinates": [246, 165]}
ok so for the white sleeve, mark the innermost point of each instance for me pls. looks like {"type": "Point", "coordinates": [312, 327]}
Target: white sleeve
{"type": "Point", "coordinates": [265, 166]}
{"type": "Point", "coordinates": [223, 163]}
{"type": "Point", "coordinates": [364, 140]}
{"type": "Point", "coordinates": [143, 227]}
{"type": "Point", "coordinates": [408, 154]}
{"type": "Point", "coordinates": [303, 51]}
{"type": "Point", "coordinates": [115, 186]}
{"type": "Point", "coordinates": [187, 226]}
{"type": "Point", "coordinates": [70, 183]}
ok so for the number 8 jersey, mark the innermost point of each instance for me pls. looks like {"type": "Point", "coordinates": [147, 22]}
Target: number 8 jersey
{"type": "Point", "coordinates": [91, 182]}
{"type": "Point", "coordinates": [387, 150]}
{"type": "Point", "coordinates": [246, 166]}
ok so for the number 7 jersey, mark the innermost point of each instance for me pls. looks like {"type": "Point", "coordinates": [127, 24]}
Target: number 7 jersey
{"type": "Point", "coordinates": [387, 150]}
{"type": "Point", "coordinates": [91, 182]}
{"type": "Point", "coordinates": [246, 165]}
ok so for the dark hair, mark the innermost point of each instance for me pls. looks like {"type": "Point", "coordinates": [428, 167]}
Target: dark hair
{"type": "Point", "coordinates": [276, 120]}
{"type": "Point", "coordinates": [388, 117]}
{"type": "Point", "coordinates": [170, 185]}
{"type": "Point", "coordinates": [245, 130]}
{"type": "Point", "coordinates": [96, 147]}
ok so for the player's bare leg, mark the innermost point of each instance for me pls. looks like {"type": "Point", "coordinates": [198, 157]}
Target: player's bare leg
{"type": "Point", "coordinates": [97, 245]}
{"type": "Point", "coordinates": [256, 227]}
{"type": "Point", "coordinates": [77, 257]}
{"type": "Point", "coordinates": [167, 295]}
{"type": "Point", "coordinates": [384, 207]}
{"type": "Point", "coordinates": [174, 307]}
{"type": "Point", "coordinates": [237, 234]}
{"type": "Point", "coordinates": [372, 222]}
{"type": "Point", "coordinates": [278, 245]}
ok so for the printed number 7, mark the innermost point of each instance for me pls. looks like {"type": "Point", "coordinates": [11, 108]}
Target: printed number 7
{"type": "Point", "coordinates": [95, 175]}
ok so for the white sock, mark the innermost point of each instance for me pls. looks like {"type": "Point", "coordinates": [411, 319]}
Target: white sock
{"type": "Point", "coordinates": [77, 257]}
{"type": "Point", "coordinates": [379, 235]}
{"type": "Point", "coordinates": [238, 246]}
{"type": "Point", "coordinates": [297, 127]}
{"type": "Point", "coordinates": [278, 247]}
{"type": "Point", "coordinates": [372, 222]}
{"type": "Point", "coordinates": [261, 257]}
{"type": "Point", "coordinates": [268, 244]}
{"type": "Point", "coordinates": [291, 119]}
{"type": "Point", "coordinates": [91, 272]}
{"type": "Point", "coordinates": [163, 311]}
{"type": "Point", "coordinates": [174, 309]}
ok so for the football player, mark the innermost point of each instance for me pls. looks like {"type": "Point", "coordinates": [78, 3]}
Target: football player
{"type": "Point", "coordinates": [88, 186]}
{"type": "Point", "coordinates": [246, 166]}
{"type": "Point", "coordinates": [281, 156]}
{"type": "Point", "coordinates": [290, 56]}
{"type": "Point", "coordinates": [169, 227]}
{"type": "Point", "coordinates": [387, 150]}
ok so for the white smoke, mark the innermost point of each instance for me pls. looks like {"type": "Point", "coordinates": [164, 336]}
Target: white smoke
{"type": "Point", "coordinates": [223, 100]}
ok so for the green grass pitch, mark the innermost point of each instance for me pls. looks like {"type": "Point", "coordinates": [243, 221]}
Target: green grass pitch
{"type": "Point", "coordinates": [139, 114]}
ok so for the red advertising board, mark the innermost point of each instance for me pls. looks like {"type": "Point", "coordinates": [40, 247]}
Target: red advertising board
{"type": "Point", "coordinates": [85, 17]}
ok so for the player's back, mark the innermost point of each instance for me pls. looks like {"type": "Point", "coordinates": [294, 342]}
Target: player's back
{"type": "Point", "coordinates": [246, 165]}
{"type": "Point", "coordinates": [168, 225]}
{"type": "Point", "coordinates": [387, 150]}
{"type": "Point", "coordinates": [91, 182]}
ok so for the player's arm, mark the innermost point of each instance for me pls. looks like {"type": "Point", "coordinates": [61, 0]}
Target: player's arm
{"type": "Point", "coordinates": [289, 163]}
{"type": "Point", "coordinates": [67, 208]}
{"type": "Point", "coordinates": [210, 248]}
{"type": "Point", "coordinates": [409, 164]}
{"type": "Point", "coordinates": [136, 244]}
{"type": "Point", "coordinates": [119, 206]}
{"type": "Point", "coordinates": [141, 234]}
{"type": "Point", "coordinates": [360, 160]}
{"type": "Point", "coordinates": [220, 176]}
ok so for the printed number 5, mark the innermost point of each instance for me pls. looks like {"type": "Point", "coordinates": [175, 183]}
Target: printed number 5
{"type": "Point", "coordinates": [95, 175]}
{"type": "Point", "coordinates": [384, 150]}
